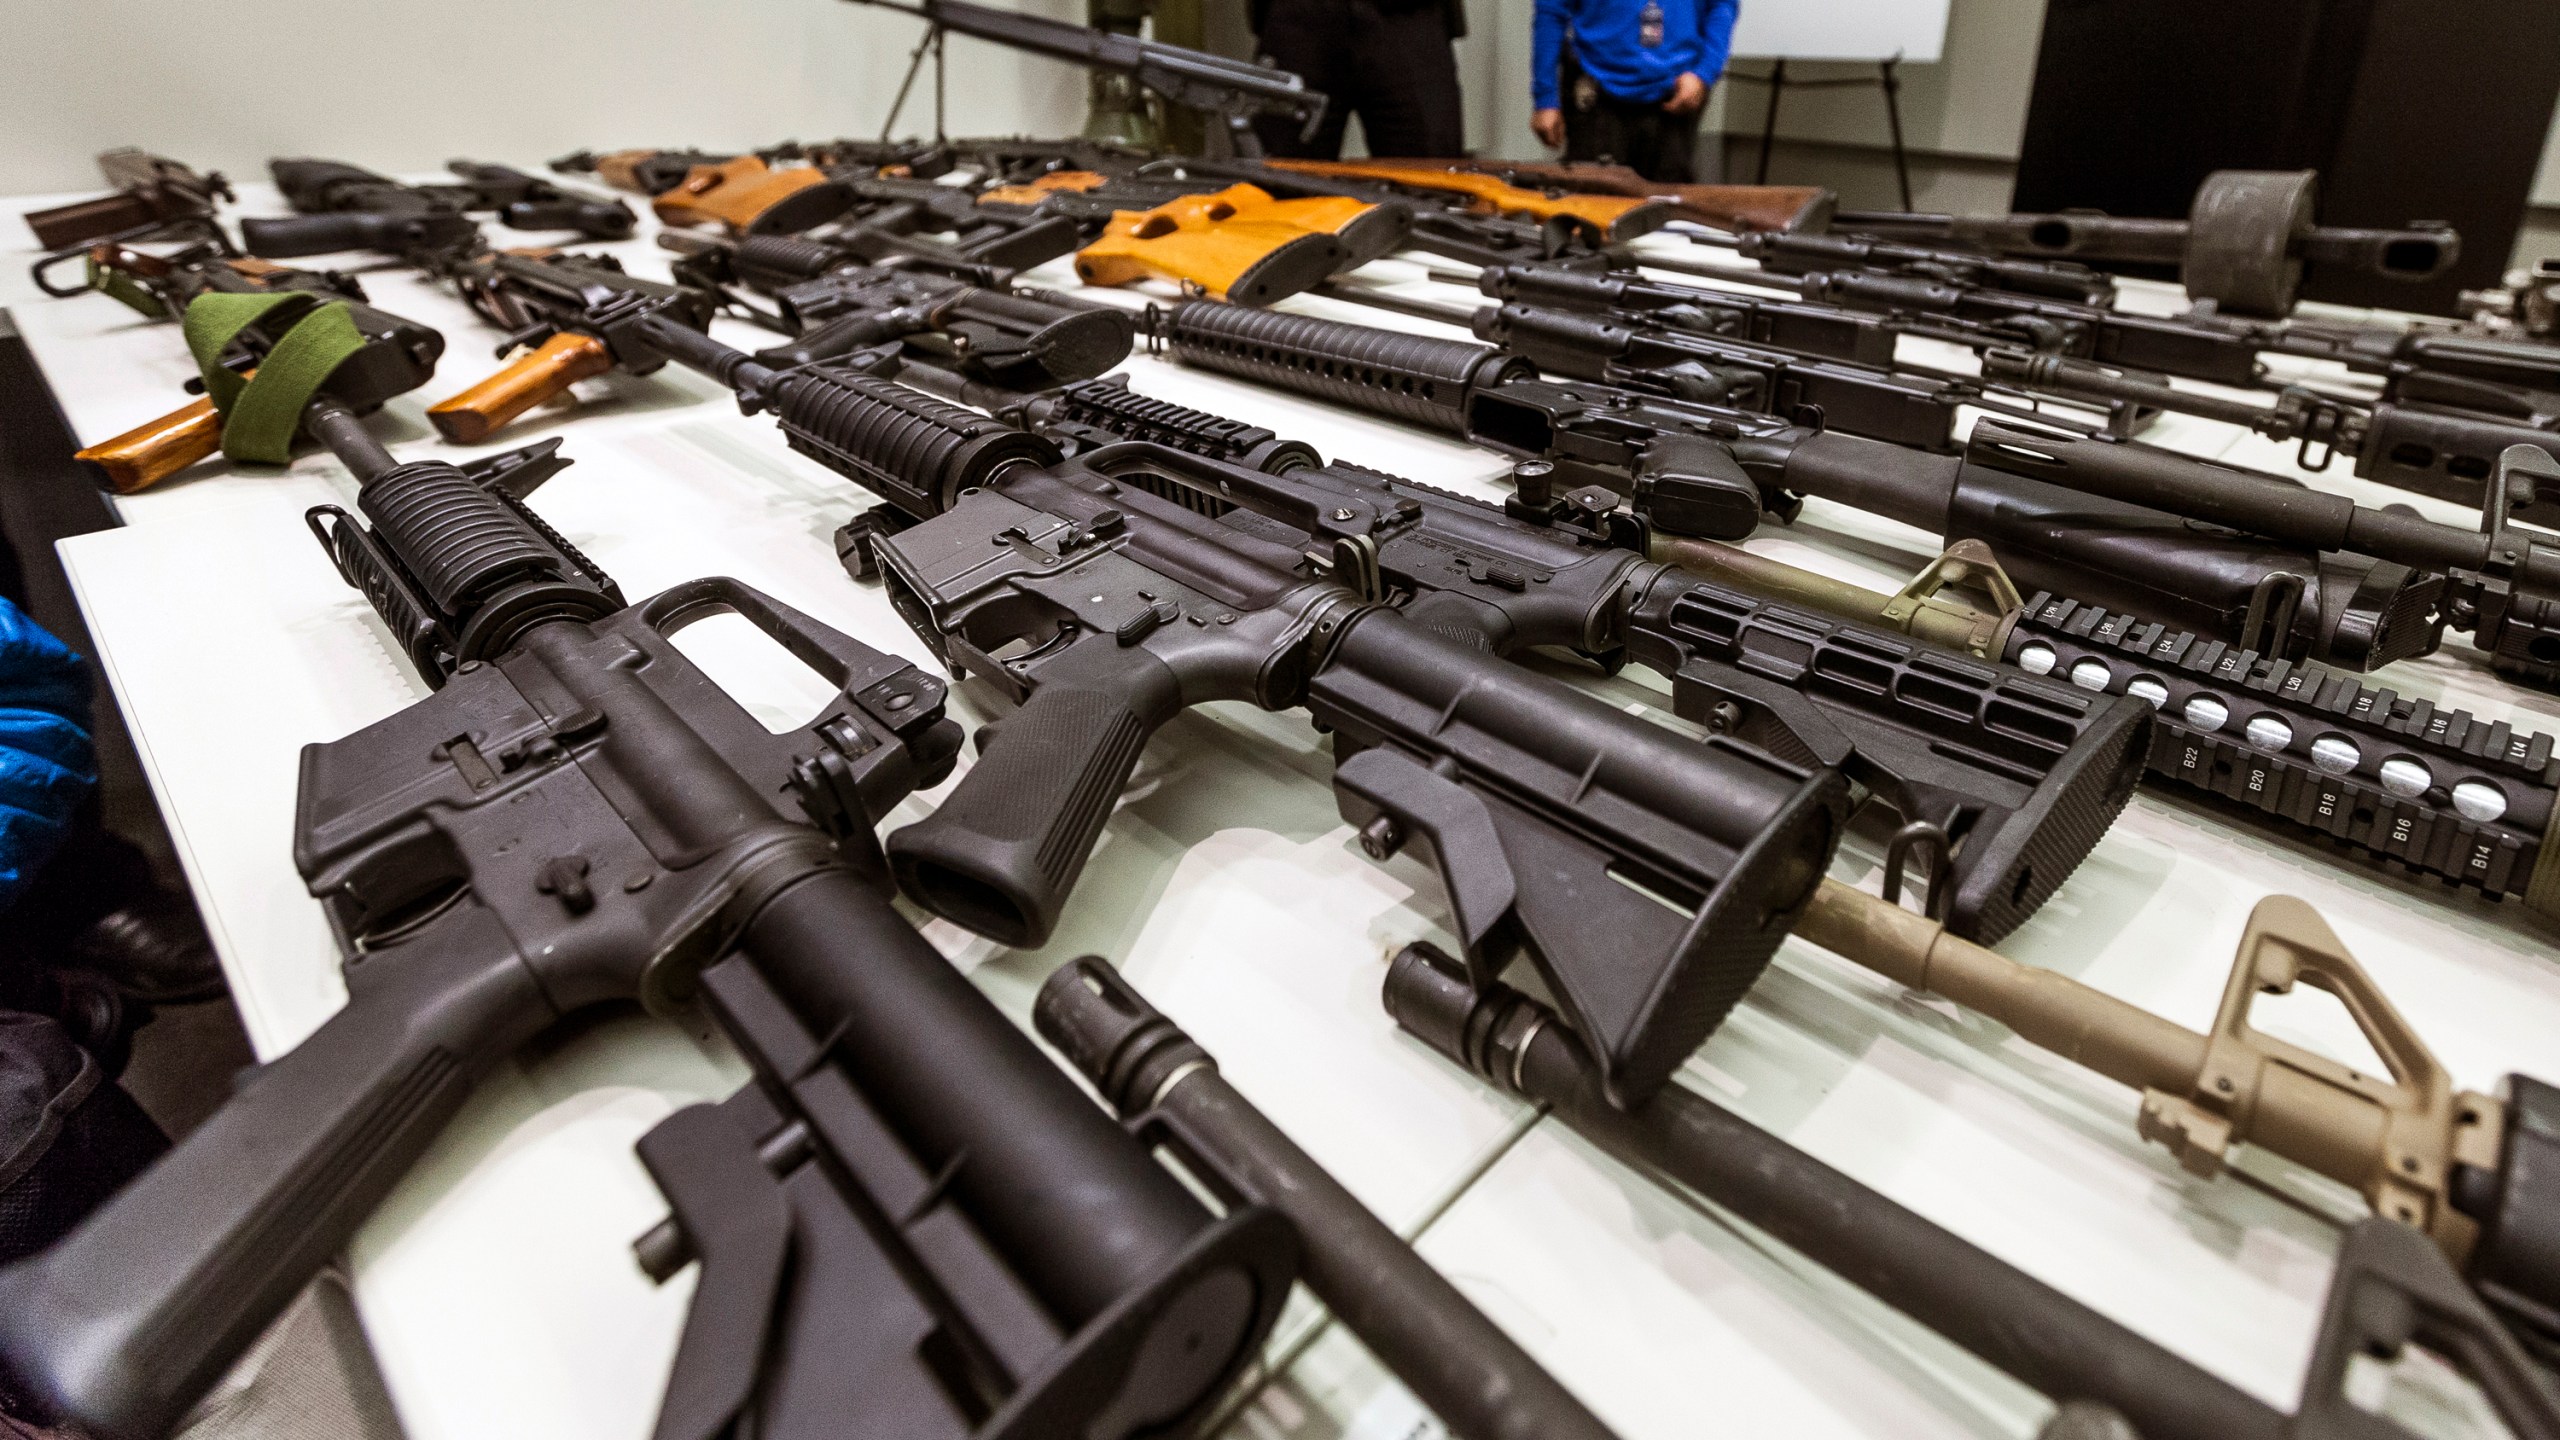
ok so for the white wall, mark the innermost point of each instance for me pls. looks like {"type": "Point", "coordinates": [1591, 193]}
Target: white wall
{"type": "Point", "coordinates": [406, 87]}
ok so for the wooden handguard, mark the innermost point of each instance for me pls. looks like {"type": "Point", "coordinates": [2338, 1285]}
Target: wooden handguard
{"type": "Point", "coordinates": [1611, 217]}
{"type": "Point", "coordinates": [1209, 242]}
{"type": "Point", "coordinates": [1726, 207]}
{"type": "Point", "coordinates": [157, 449]}
{"type": "Point", "coordinates": [735, 193]}
{"type": "Point", "coordinates": [560, 362]}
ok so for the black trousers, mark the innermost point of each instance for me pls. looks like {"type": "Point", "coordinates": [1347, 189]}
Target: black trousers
{"type": "Point", "coordinates": [1393, 68]}
{"type": "Point", "coordinates": [1640, 135]}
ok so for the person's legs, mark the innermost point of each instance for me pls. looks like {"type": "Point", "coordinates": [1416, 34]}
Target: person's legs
{"type": "Point", "coordinates": [1592, 127]}
{"type": "Point", "coordinates": [1407, 82]}
{"type": "Point", "coordinates": [1675, 147]}
{"type": "Point", "coordinates": [1309, 39]}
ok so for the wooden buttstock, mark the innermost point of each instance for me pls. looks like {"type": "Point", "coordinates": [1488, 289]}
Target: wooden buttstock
{"type": "Point", "coordinates": [1613, 217]}
{"type": "Point", "coordinates": [1210, 243]}
{"type": "Point", "coordinates": [157, 449]}
{"type": "Point", "coordinates": [733, 193]}
{"type": "Point", "coordinates": [560, 362]}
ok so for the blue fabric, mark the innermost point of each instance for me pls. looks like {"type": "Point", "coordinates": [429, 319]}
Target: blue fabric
{"type": "Point", "coordinates": [1607, 37]}
{"type": "Point", "coordinates": [46, 763]}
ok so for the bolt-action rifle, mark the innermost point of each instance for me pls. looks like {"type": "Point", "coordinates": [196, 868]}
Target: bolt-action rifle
{"type": "Point", "coordinates": [1695, 469]}
{"type": "Point", "coordinates": [1017, 1259]}
{"type": "Point", "coordinates": [273, 341]}
{"type": "Point", "coordinates": [2243, 244]}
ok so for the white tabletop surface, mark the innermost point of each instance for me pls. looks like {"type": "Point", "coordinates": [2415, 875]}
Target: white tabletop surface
{"type": "Point", "coordinates": [498, 1287]}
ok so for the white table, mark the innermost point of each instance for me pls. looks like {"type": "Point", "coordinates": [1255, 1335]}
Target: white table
{"type": "Point", "coordinates": [497, 1285]}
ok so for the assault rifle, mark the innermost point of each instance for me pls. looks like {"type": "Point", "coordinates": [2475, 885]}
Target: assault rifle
{"type": "Point", "coordinates": [2434, 433]}
{"type": "Point", "coordinates": [2000, 780]}
{"type": "Point", "coordinates": [340, 207]}
{"type": "Point", "coordinates": [348, 353]}
{"type": "Point", "coordinates": [585, 317]}
{"type": "Point", "coordinates": [152, 197]}
{"type": "Point", "coordinates": [2243, 244]}
{"type": "Point", "coordinates": [1697, 469]}
{"type": "Point", "coordinates": [1792, 252]}
{"type": "Point", "coordinates": [1479, 761]}
{"type": "Point", "coordinates": [687, 856]}
{"type": "Point", "coordinates": [1231, 92]}
{"type": "Point", "coordinates": [2391, 1289]}
{"type": "Point", "coordinates": [653, 172]}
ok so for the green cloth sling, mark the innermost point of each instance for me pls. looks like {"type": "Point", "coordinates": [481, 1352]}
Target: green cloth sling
{"type": "Point", "coordinates": [261, 415]}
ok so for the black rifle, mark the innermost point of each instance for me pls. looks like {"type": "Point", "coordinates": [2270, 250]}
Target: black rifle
{"type": "Point", "coordinates": [1472, 1375]}
{"type": "Point", "coordinates": [1797, 252]}
{"type": "Point", "coordinates": [340, 207]}
{"type": "Point", "coordinates": [2243, 244]}
{"type": "Point", "coordinates": [2434, 433]}
{"type": "Point", "coordinates": [1697, 469]}
{"type": "Point", "coordinates": [2002, 779]}
{"type": "Point", "coordinates": [1440, 744]}
{"type": "Point", "coordinates": [893, 214]}
{"type": "Point", "coordinates": [2391, 1289]}
{"type": "Point", "coordinates": [683, 853]}
{"type": "Point", "coordinates": [1232, 92]}
{"type": "Point", "coordinates": [153, 196]}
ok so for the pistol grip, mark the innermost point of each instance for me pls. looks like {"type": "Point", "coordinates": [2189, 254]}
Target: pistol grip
{"type": "Point", "coordinates": [123, 1324]}
{"type": "Point", "coordinates": [552, 367]}
{"type": "Point", "coordinates": [157, 449]}
{"type": "Point", "coordinates": [1002, 852]}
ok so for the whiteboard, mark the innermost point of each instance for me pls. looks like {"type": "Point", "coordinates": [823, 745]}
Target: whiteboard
{"type": "Point", "coordinates": [1915, 30]}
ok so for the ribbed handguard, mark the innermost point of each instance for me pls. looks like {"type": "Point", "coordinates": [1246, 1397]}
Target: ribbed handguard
{"type": "Point", "coordinates": [909, 448]}
{"type": "Point", "coordinates": [1417, 379]}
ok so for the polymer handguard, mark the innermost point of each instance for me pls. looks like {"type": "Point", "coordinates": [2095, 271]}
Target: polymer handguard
{"type": "Point", "coordinates": [2003, 779]}
{"type": "Point", "coordinates": [584, 318]}
{"type": "Point", "coordinates": [685, 853]}
{"type": "Point", "coordinates": [395, 356]}
{"type": "Point", "coordinates": [1607, 219]}
{"type": "Point", "coordinates": [1237, 244]}
{"type": "Point", "coordinates": [2243, 244]}
{"type": "Point", "coordinates": [2391, 1288]}
{"type": "Point", "coordinates": [1694, 469]}
{"type": "Point", "coordinates": [746, 196]}
{"type": "Point", "coordinates": [150, 196]}
{"type": "Point", "coordinates": [1366, 229]}
{"type": "Point", "coordinates": [1166, 1088]}
{"type": "Point", "coordinates": [2447, 1165]}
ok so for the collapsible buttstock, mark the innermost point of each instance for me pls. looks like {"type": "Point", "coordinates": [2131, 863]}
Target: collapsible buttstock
{"type": "Point", "coordinates": [554, 366]}
{"type": "Point", "coordinates": [1211, 243]}
{"type": "Point", "coordinates": [157, 449]}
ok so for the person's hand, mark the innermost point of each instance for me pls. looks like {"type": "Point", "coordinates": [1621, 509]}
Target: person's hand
{"type": "Point", "coordinates": [1688, 95]}
{"type": "Point", "coordinates": [1549, 125]}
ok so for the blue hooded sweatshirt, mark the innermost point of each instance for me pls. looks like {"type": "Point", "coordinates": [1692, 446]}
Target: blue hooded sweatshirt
{"type": "Point", "coordinates": [1608, 38]}
{"type": "Point", "coordinates": [46, 765]}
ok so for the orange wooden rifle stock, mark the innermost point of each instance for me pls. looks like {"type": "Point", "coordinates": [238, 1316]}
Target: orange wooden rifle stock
{"type": "Point", "coordinates": [1237, 244]}
{"type": "Point", "coordinates": [750, 197]}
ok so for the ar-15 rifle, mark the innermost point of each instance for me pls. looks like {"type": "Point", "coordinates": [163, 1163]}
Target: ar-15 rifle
{"type": "Point", "coordinates": [340, 207]}
{"type": "Point", "coordinates": [2435, 434]}
{"type": "Point", "coordinates": [1231, 91]}
{"type": "Point", "coordinates": [1477, 760]}
{"type": "Point", "coordinates": [1017, 1259]}
{"type": "Point", "coordinates": [1704, 470]}
{"type": "Point", "coordinates": [278, 341]}
{"type": "Point", "coordinates": [2391, 1289]}
{"type": "Point", "coordinates": [2001, 779]}
{"type": "Point", "coordinates": [153, 198]}
{"type": "Point", "coordinates": [2243, 244]}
